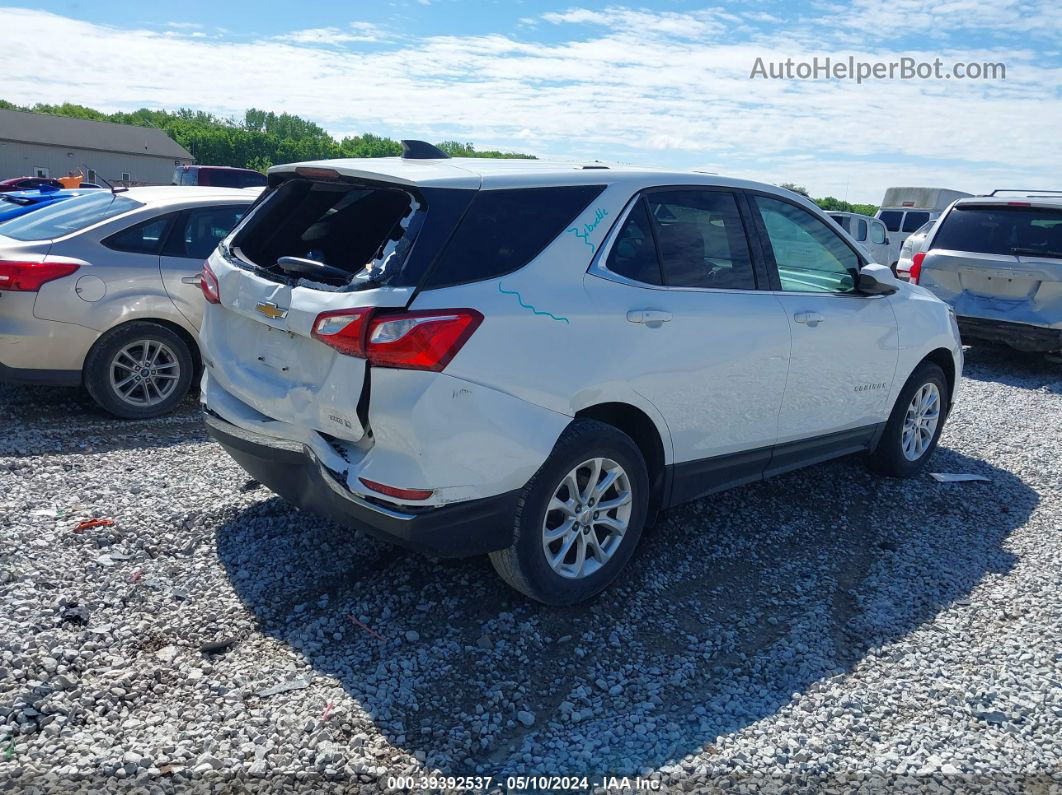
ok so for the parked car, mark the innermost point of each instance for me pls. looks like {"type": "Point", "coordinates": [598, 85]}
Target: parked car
{"type": "Point", "coordinates": [914, 243]}
{"type": "Point", "coordinates": [904, 210]}
{"type": "Point", "coordinates": [16, 203]}
{"type": "Point", "coordinates": [997, 260]}
{"type": "Point", "coordinates": [868, 232]}
{"type": "Point", "coordinates": [530, 359]}
{"type": "Point", "coordinates": [102, 290]}
{"type": "Point", "coordinates": [218, 176]}
{"type": "Point", "coordinates": [28, 183]}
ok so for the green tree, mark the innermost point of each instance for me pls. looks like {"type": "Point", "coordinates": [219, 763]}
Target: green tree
{"type": "Point", "coordinates": [258, 140]}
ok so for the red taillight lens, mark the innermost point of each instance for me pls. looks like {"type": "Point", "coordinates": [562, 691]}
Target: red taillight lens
{"type": "Point", "coordinates": [424, 340]}
{"type": "Point", "coordinates": [208, 283]}
{"type": "Point", "coordinates": [916, 266]}
{"type": "Point", "coordinates": [343, 329]}
{"type": "Point", "coordinates": [28, 277]}
{"type": "Point", "coordinates": [392, 491]}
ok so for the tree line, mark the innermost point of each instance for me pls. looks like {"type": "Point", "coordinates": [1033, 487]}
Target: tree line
{"type": "Point", "coordinates": [259, 140]}
{"type": "Point", "coordinates": [831, 203]}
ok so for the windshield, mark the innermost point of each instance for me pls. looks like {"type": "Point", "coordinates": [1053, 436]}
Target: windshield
{"type": "Point", "coordinates": [63, 218]}
{"type": "Point", "coordinates": [1001, 229]}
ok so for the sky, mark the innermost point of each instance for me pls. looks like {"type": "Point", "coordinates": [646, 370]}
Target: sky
{"type": "Point", "coordinates": [664, 83]}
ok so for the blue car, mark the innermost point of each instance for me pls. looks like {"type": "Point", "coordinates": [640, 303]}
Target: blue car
{"type": "Point", "coordinates": [17, 203]}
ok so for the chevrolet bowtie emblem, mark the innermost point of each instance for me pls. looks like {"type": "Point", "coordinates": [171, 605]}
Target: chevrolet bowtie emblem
{"type": "Point", "coordinates": [271, 310]}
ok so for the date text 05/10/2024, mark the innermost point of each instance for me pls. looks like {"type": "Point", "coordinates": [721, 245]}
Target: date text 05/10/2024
{"type": "Point", "coordinates": [523, 783]}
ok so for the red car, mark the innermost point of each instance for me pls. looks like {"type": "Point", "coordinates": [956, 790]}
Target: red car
{"type": "Point", "coordinates": [218, 176]}
{"type": "Point", "coordinates": [28, 183]}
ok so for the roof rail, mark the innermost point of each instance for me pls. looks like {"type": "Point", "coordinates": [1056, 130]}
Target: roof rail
{"type": "Point", "coordinates": [421, 150]}
{"type": "Point", "coordinates": [595, 166]}
{"type": "Point", "coordinates": [1023, 191]}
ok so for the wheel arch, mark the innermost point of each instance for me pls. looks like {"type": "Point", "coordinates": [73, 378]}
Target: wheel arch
{"type": "Point", "coordinates": [638, 425]}
{"type": "Point", "coordinates": [943, 358]}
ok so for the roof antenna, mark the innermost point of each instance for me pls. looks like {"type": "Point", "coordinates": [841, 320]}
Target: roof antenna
{"type": "Point", "coordinates": [105, 181]}
{"type": "Point", "coordinates": [421, 150]}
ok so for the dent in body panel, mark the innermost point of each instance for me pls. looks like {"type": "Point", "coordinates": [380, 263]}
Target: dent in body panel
{"type": "Point", "coordinates": [465, 440]}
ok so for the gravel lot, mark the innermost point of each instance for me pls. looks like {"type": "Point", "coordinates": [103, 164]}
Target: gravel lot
{"type": "Point", "coordinates": [825, 628]}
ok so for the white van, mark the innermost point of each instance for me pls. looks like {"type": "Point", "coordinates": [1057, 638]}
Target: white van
{"type": "Point", "coordinates": [904, 210]}
{"type": "Point", "coordinates": [868, 232]}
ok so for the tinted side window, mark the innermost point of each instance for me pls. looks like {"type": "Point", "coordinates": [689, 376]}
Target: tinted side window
{"type": "Point", "coordinates": [877, 233]}
{"type": "Point", "coordinates": [634, 253]}
{"type": "Point", "coordinates": [145, 238]}
{"type": "Point", "coordinates": [701, 239]}
{"type": "Point", "coordinates": [891, 219]}
{"type": "Point", "coordinates": [503, 230]}
{"type": "Point", "coordinates": [914, 220]}
{"type": "Point", "coordinates": [200, 230]}
{"type": "Point", "coordinates": [861, 231]}
{"type": "Point", "coordinates": [810, 256]}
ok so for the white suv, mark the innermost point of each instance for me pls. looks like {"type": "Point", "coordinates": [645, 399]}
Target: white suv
{"type": "Point", "coordinates": [532, 359]}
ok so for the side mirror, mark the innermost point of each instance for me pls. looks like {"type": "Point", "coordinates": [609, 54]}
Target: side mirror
{"type": "Point", "coordinates": [875, 279]}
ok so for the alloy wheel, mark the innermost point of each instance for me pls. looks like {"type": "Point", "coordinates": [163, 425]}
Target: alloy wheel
{"type": "Point", "coordinates": [920, 422]}
{"type": "Point", "coordinates": [145, 372]}
{"type": "Point", "coordinates": [587, 518]}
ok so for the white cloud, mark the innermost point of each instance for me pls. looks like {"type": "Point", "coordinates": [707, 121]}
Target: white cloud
{"type": "Point", "coordinates": [356, 32]}
{"type": "Point", "coordinates": [625, 85]}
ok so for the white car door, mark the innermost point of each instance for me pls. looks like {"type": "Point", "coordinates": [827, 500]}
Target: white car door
{"type": "Point", "coordinates": [196, 234]}
{"type": "Point", "coordinates": [690, 332]}
{"type": "Point", "coordinates": [844, 343]}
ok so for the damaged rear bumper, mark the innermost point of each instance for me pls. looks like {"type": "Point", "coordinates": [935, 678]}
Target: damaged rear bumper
{"type": "Point", "coordinates": [1020, 336]}
{"type": "Point", "coordinates": [290, 469]}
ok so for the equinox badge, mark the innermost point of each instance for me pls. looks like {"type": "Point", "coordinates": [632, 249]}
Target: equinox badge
{"type": "Point", "coordinates": [271, 310]}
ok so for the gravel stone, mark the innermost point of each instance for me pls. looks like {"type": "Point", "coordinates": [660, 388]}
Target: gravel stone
{"type": "Point", "coordinates": [824, 631]}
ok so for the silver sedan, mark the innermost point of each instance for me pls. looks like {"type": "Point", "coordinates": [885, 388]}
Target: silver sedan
{"type": "Point", "coordinates": [103, 290]}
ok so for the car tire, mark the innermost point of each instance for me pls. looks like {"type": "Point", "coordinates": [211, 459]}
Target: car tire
{"type": "Point", "coordinates": [909, 438]}
{"type": "Point", "coordinates": [158, 361]}
{"type": "Point", "coordinates": [595, 547]}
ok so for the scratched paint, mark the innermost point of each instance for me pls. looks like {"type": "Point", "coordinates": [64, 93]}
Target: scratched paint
{"type": "Point", "coordinates": [530, 307]}
{"type": "Point", "coordinates": [586, 230]}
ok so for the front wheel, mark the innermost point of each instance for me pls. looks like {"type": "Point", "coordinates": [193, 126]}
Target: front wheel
{"type": "Point", "coordinates": [914, 427]}
{"type": "Point", "coordinates": [579, 518]}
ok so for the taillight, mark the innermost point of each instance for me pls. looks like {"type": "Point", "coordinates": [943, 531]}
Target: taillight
{"type": "Point", "coordinates": [424, 340]}
{"type": "Point", "coordinates": [208, 283]}
{"type": "Point", "coordinates": [343, 329]}
{"type": "Point", "coordinates": [916, 266]}
{"type": "Point", "coordinates": [394, 491]}
{"type": "Point", "coordinates": [28, 277]}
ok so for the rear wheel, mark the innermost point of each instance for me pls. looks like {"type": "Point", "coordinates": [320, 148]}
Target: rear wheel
{"type": "Point", "coordinates": [914, 427]}
{"type": "Point", "coordinates": [579, 518]}
{"type": "Point", "coordinates": [139, 370]}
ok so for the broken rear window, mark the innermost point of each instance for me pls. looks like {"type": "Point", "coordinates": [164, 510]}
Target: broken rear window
{"type": "Point", "coordinates": [366, 232]}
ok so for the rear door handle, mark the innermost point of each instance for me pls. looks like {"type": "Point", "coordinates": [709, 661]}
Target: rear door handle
{"type": "Point", "coordinates": [190, 279]}
{"type": "Point", "coordinates": [810, 318]}
{"type": "Point", "coordinates": [648, 316]}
